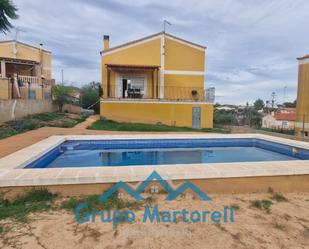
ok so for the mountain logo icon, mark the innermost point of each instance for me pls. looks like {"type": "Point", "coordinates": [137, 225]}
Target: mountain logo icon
{"type": "Point", "coordinates": [154, 176]}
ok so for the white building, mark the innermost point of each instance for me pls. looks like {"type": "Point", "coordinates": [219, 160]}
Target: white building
{"type": "Point", "coordinates": [284, 120]}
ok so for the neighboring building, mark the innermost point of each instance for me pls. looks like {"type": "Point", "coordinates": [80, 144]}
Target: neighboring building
{"type": "Point", "coordinates": [75, 95]}
{"type": "Point", "coordinates": [225, 108]}
{"type": "Point", "coordinates": [210, 95]}
{"type": "Point", "coordinates": [280, 120]}
{"type": "Point", "coordinates": [156, 79]}
{"type": "Point", "coordinates": [25, 71]}
{"type": "Point", "coordinates": [287, 110]}
{"type": "Point", "coordinates": [302, 106]}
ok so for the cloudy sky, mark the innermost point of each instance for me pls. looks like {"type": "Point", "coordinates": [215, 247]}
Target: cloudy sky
{"type": "Point", "coordinates": [251, 45]}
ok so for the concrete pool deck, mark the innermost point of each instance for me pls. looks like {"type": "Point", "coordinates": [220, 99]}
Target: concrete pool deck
{"type": "Point", "coordinates": [239, 177]}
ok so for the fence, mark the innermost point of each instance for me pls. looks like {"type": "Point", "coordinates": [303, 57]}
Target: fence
{"type": "Point", "coordinates": [17, 108]}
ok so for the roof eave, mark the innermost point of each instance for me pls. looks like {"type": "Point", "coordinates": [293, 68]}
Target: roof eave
{"type": "Point", "coordinates": [148, 37]}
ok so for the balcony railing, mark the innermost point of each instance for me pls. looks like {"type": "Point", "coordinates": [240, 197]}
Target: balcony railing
{"type": "Point", "coordinates": [28, 79]}
{"type": "Point", "coordinates": [190, 93]}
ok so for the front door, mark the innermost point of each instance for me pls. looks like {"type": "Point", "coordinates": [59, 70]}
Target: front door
{"type": "Point", "coordinates": [196, 117]}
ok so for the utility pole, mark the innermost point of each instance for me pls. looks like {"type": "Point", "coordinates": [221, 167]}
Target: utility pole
{"type": "Point", "coordinates": [284, 94]}
{"type": "Point", "coordinates": [273, 99]}
{"type": "Point", "coordinates": [61, 76]}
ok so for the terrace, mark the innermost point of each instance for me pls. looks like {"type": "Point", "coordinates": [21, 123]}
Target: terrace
{"type": "Point", "coordinates": [141, 83]}
{"type": "Point", "coordinates": [22, 79]}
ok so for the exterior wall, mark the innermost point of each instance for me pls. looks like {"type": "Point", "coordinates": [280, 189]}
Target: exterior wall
{"type": "Point", "coordinates": [12, 109]}
{"type": "Point", "coordinates": [181, 87]}
{"type": "Point", "coordinates": [302, 109]}
{"type": "Point", "coordinates": [4, 89]}
{"type": "Point", "coordinates": [268, 121]}
{"type": "Point", "coordinates": [72, 108]}
{"type": "Point", "coordinates": [25, 52]}
{"type": "Point", "coordinates": [169, 113]}
{"type": "Point", "coordinates": [259, 184]}
{"type": "Point", "coordinates": [179, 56]}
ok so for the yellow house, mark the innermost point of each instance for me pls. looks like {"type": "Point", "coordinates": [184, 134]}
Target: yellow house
{"type": "Point", "coordinates": [302, 108]}
{"type": "Point", "coordinates": [25, 71]}
{"type": "Point", "coordinates": [156, 79]}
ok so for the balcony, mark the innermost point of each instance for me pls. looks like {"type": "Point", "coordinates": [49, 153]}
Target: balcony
{"type": "Point", "coordinates": [148, 92]}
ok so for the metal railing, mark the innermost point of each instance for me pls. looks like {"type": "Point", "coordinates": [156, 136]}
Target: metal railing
{"type": "Point", "coordinates": [190, 93]}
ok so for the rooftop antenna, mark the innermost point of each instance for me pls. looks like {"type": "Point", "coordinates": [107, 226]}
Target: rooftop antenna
{"type": "Point", "coordinates": [164, 24]}
{"type": "Point", "coordinates": [17, 30]}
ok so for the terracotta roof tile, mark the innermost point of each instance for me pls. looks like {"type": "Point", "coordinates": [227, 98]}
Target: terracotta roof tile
{"type": "Point", "coordinates": [285, 116]}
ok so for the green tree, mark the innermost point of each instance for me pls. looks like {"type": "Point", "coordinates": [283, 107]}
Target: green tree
{"type": "Point", "coordinates": [7, 11]}
{"type": "Point", "coordinates": [90, 96]}
{"type": "Point", "coordinates": [252, 117]}
{"type": "Point", "coordinates": [259, 104]}
{"type": "Point", "coordinates": [60, 95]}
{"type": "Point", "coordinates": [222, 117]}
{"type": "Point", "coordinates": [290, 104]}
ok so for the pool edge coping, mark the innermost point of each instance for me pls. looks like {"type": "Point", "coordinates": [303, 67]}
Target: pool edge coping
{"type": "Point", "coordinates": [12, 172]}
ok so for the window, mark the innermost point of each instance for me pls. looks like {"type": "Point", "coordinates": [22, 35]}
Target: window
{"type": "Point", "coordinates": [32, 94]}
{"type": "Point", "coordinates": [285, 124]}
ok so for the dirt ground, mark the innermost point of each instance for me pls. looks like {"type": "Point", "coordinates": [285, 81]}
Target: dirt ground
{"type": "Point", "coordinates": [285, 226]}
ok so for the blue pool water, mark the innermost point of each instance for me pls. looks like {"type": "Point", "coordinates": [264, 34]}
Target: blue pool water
{"type": "Point", "coordinates": [164, 151]}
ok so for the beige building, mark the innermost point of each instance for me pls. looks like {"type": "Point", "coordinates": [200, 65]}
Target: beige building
{"type": "Point", "coordinates": [25, 71]}
{"type": "Point", "coordinates": [302, 108]}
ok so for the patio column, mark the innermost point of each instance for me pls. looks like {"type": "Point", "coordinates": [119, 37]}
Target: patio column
{"type": "Point", "coordinates": [153, 84]}
{"type": "Point", "coordinates": [3, 70]}
{"type": "Point", "coordinates": [37, 69]}
{"type": "Point", "coordinates": [108, 83]}
{"type": "Point", "coordinates": [157, 83]}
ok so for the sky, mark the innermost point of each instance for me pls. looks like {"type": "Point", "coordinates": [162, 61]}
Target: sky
{"type": "Point", "coordinates": [252, 45]}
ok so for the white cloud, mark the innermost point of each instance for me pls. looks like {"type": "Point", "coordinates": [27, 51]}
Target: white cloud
{"type": "Point", "coordinates": [252, 45]}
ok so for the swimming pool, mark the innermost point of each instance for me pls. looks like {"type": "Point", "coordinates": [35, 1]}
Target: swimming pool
{"type": "Point", "coordinates": [143, 152]}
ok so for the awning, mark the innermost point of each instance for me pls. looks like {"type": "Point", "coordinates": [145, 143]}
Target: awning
{"type": "Point", "coordinates": [18, 61]}
{"type": "Point", "coordinates": [124, 67]}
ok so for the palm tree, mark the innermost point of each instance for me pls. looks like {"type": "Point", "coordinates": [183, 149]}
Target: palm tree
{"type": "Point", "coordinates": [7, 11]}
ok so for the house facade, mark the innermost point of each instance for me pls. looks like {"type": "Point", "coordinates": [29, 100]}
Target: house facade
{"type": "Point", "coordinates": [156, 79]}
{"type": "Point", "coordinates": [302, 107]}
{"type": "Point", "coordinates": [280, 120]}
{"type": "Point", "coordinates": [25, 71]}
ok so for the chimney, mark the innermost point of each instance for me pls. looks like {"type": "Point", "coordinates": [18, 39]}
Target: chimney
{"type": "Point", "coordinates": [105, 42]}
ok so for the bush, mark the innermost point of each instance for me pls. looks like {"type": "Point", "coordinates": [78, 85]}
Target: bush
{"type": "Point", "coordinates": [35, 200]}
{"type": "Point", "coordinates": [262, 204]}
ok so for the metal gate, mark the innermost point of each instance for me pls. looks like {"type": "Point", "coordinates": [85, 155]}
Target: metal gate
{"type": "Point", "coordinates": [196, 117]}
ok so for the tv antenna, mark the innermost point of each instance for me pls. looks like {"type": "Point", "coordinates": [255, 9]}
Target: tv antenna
{"type": "Point", "coordinates": [17, 30]}
{"type": "Point", "coordinates": [164, 24]}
